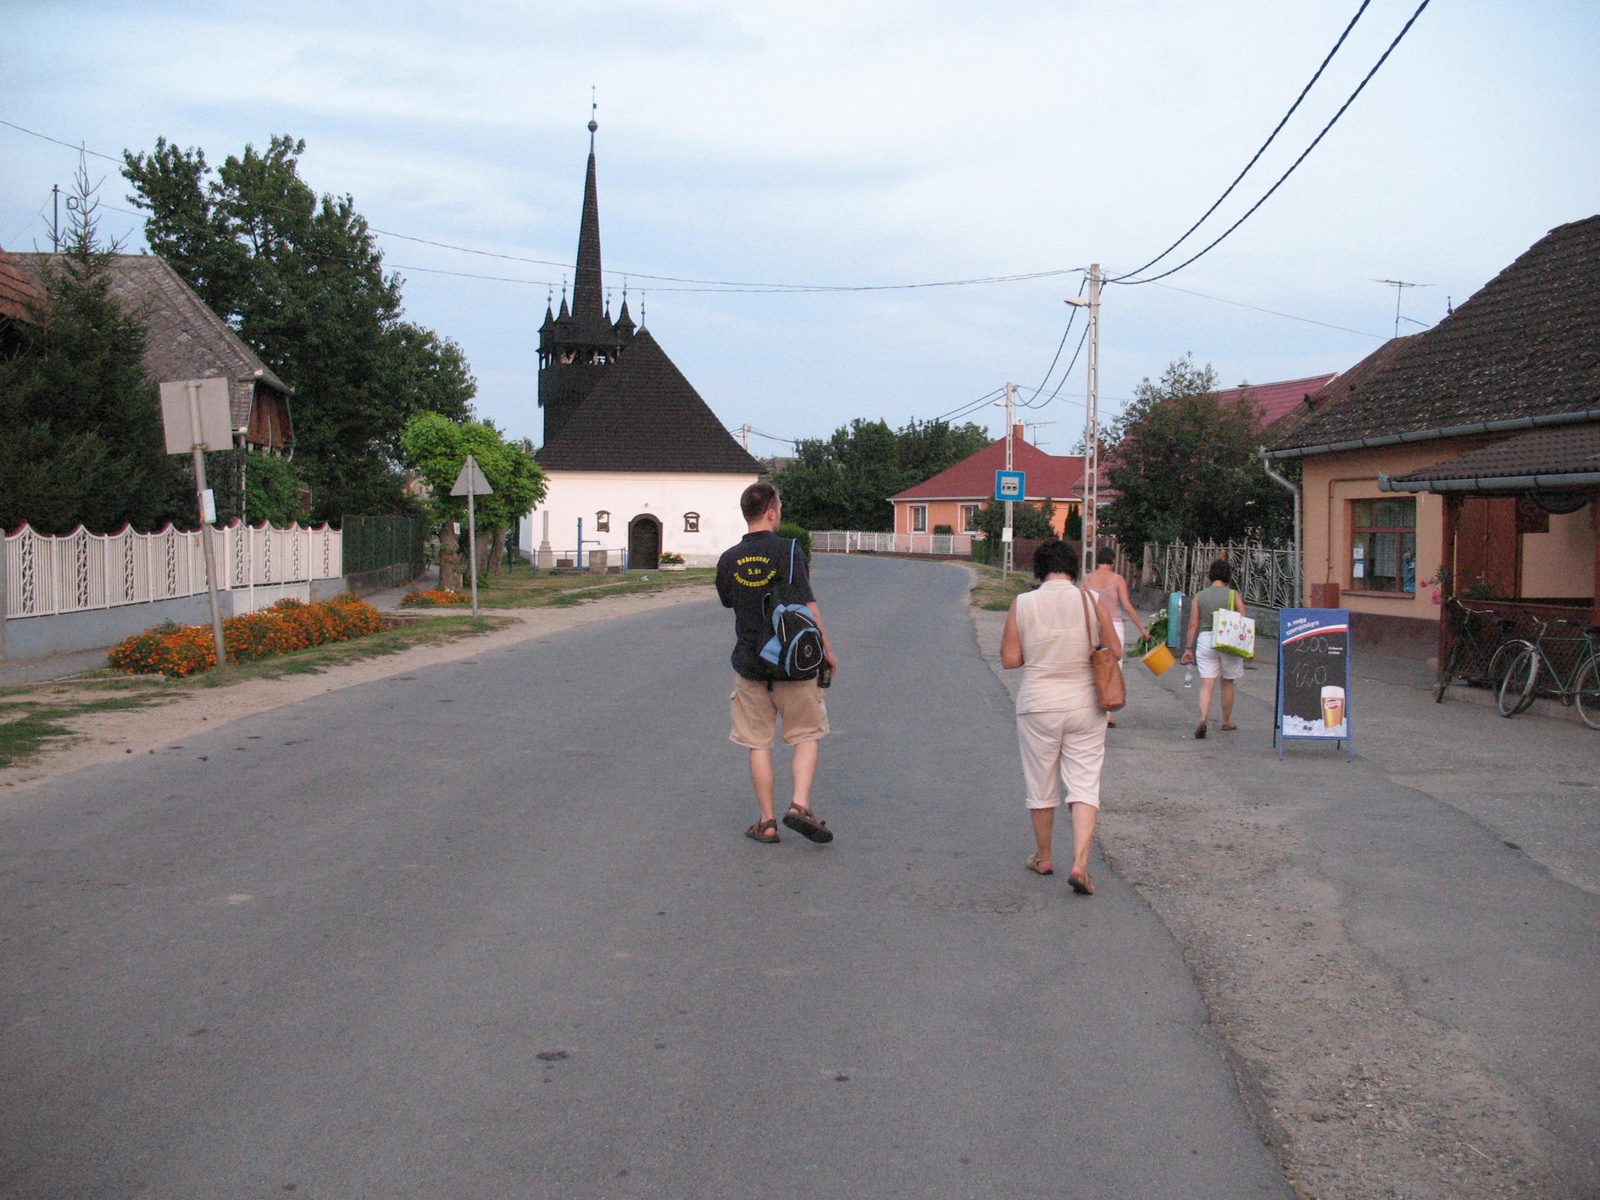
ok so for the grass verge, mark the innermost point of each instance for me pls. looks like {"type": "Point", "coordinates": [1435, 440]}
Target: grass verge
{"type": "Point", "coordinates": [520, 587]}
{"type": "Point", "coordinates": [31, 717]}
{"type": "Point", "coordinates": [992, 592]}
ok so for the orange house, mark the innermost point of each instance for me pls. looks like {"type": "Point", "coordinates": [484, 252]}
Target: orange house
{"type": "Point", "coordinates": [954, 496]}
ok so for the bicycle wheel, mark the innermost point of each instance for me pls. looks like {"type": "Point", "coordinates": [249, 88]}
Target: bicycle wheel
{"type": "Point", "coordinates": [1504, 655]}
{"type": "Point", "coordinates": [1588, 688]}
{"type": "Point", "coordinates": [1449, 672]}
{"type": "Point", "coordinates": [1516, 688]}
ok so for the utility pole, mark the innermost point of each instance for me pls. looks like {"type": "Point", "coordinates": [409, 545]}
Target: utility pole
{"type": "Point", "coordinates": [744, 436]}
{"type": "Point", "coordinates": [55, 218]}
{"type": "Point", "coordinates": [1091, 424]}
{"type": "Point", "coordinates": [1007, 561]}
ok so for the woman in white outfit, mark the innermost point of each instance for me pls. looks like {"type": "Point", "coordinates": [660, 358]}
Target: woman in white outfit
{"type": "Point", "coordinates": [1111, 589]}
{"type": "Point", "coordinates": [1061, 728]}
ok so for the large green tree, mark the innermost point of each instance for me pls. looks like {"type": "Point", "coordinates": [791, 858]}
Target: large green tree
{"type": "Point", "coordinates": [1185, 466]}
{"type": "Point", "coordinates": [300, 278]}
{"type": "Point", "coordinates": [845, 481]}
{"type": "Point", "coordinates": [437, 447]}
{"type": "Point", "coordinates": [80, 422]}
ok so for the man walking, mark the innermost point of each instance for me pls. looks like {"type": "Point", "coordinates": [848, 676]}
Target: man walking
{"type": "Point", "coordinates": [746, 574]}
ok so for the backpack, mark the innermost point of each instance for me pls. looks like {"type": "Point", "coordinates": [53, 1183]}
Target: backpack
{"type": "Point", "coordinates": [794, 651]}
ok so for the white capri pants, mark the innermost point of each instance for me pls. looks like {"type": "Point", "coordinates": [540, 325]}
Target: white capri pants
{"type": "Point", "coordinates": [1230, 666]}
{"type": "Point", "coordinates": [1062, 751]}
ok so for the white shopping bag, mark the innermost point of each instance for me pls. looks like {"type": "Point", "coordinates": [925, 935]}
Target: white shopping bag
{"type": "Point", "coordinates": [1233, 634]}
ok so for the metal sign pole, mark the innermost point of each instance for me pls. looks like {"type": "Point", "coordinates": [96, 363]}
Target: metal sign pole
{"type": "Point", "coordinates": [472, 543]}
{"type": "Point", "coordinates": [205, 527]}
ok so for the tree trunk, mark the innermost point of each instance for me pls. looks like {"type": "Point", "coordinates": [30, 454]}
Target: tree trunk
{"type": "Point", "coordinates": [497, 550]}
{"type": "Point", "coordinates": [485, 541]}
{"type": "Point", "coordinates": [449, 557]}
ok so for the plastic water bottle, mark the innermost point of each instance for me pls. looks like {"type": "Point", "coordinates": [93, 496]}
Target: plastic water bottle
{"type": "Point", "coordinates": [1188, 677]}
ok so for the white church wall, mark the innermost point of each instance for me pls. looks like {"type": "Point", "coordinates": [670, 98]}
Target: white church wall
{"type": "Point", "coordinates": [625, 495]}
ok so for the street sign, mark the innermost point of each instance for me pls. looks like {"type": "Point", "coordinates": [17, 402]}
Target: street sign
{"type": "Point", "coordinates": [1313, 698]}
{"type": "Point", "coordinates": [471, 481]}
{"type": "Point", "coordinates": [1010, 485]}
{"type": "Point", "coordinates": [211, 427]}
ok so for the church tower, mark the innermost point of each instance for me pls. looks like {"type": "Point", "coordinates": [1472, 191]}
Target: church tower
{"type": "Point", "coordinates": [579, 344]}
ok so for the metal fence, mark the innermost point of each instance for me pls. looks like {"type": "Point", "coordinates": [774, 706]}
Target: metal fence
{"type": "Point", "coordinates": [1264, 575]}
{"type": "Point", "coordinates": [47, 575]}
{"type": "Point", "coordinates": [389, 546]}
{"type": "Point", "coordinates": [958, 545]}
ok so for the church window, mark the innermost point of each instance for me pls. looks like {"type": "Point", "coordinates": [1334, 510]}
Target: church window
{"type": "Point", "coordinates": [691, 522]}
{"type": "Point", "coordinates": [602, 522]}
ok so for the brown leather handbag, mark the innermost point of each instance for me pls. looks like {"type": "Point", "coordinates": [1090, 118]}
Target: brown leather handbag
{"type": "Point", "coordinates": [1108, 684]}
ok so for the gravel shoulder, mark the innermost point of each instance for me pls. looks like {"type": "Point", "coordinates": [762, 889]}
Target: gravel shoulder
{"type": "Point", "coordinates": [1393, 1035]}
{"type": "Point", "coordinates": [101, 737]}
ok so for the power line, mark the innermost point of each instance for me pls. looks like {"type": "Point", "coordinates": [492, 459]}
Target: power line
{"type": "Point", "coordinates": [1314, 143]}
{"type": "Point", "coordinates": [1257, 156]}
{"type": "Point", "coordinates": [1269, 311]}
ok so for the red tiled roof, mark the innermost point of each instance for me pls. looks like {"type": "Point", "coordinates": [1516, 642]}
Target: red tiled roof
{"type": "Point", "coordinates": [1049, 476]}
{"type": "Point", "coordinates": [1272, 400]}
{"type": "Point", "coordinates": [16, 290]}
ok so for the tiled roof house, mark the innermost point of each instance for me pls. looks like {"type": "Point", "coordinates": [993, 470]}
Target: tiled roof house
{"type": "Point", "coordinates": [1470, 446]}
{"type": "Point", "coordinates": [637, 462]}
{"type": "Point", "coordinates": [954, 496]}
{"type": "Point", "coordinates": [184, 339]}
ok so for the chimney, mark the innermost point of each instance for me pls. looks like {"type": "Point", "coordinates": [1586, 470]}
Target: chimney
{"type": "Point", "coordinates": [1019, 432]}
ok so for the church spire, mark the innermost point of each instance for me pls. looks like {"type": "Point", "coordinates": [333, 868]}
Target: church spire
{"type": "Point", "coordinates": [588, 304]}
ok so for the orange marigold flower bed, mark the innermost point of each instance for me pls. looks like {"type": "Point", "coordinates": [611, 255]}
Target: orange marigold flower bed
{"type": "Point", "coordinates": [432, 597]}
{"type": "Point", "coordinates": [289, 625]}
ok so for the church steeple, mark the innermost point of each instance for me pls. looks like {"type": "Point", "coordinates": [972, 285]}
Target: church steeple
{"type": "Point", "coordinates": [588, 302]}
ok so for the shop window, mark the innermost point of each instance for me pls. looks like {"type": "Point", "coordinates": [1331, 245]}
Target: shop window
{"type": "Point", "coordinates": [691, 522]}
{"type": "Point", "coordinates": [602, 522]}
{"type": "Point", "coordinates": [1383, 545]}
{"type": "Point", "coordinates": [919, 518]}
{"type": "Point", "coordinates": [969, 518]}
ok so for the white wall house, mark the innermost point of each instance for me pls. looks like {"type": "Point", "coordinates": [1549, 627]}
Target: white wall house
{"type": "Point", "coordinates": [698, 515]}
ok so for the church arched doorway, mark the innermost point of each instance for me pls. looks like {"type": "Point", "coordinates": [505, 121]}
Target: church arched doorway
{"type": "Point", "coordinates": [644, 543]}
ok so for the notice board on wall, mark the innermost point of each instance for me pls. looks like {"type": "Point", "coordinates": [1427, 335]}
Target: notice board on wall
{"type": "Point", "coordinates": [1313, 700]}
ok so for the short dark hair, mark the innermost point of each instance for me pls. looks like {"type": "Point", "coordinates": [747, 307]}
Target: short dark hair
{"type": "Point", "coordinates": [1221, 572]}
{"type": "Point", "coordinates": [755, 501]}
{"type": "Point", "coordinates": [1105, 558]}
{"type": "Point", "coordinates": [1055, 556]}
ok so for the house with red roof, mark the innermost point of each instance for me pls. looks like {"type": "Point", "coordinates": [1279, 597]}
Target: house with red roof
{"type": "Point", "coordinates": [1274, 400]}
{"type": "Point", "coordinates": [954, 496]}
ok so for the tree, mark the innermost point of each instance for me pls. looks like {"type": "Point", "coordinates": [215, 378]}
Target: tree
{"type": "Point", "coordinates": [437, 448]}
{"type": "Point", "coordinates": [1186, 468]}
{"type": "Point", "coordinates": [1027, 520]}
{"type": "Point", "coordinates": [301, 280]}
{"type": "Point", "coordinates": [80, 422]}
{"type": "Point", "coordinates": [845, 481]}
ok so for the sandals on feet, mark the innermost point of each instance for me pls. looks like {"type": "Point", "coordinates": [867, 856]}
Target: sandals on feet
{"type": "Point", "coordinates": [1080, 883]}
{"type": "Point", "coordinates": [763, 831]}
{"type": "Point", "coordinates": [1036, 863]}
{"type": "Point", "coordinates": [1200, 730]}
{"type": "Point", "coordinates": [804, 822]}
{"type": "Point", "coordinates": [1227, 728]}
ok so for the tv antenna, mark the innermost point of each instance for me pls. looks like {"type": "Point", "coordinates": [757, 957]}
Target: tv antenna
{"type": "Point", "coordinates": [1400, 286]}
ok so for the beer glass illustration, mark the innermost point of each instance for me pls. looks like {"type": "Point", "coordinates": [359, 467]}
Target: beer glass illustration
{"type": "Point", "coordinates": [1332, 707]}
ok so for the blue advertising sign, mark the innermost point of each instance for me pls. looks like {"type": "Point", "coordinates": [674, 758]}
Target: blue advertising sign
{"type": "Point", "coordinates": [1313, 699]}
{"type": "Point", "coordinates": [1010, 485]}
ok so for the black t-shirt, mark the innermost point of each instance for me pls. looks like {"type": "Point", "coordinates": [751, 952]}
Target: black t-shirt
{"type": "Point", "coordinates": [746, 573]}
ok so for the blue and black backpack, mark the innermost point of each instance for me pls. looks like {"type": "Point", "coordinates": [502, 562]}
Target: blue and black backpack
{"type": "Point", "coordinates": [794, 652]}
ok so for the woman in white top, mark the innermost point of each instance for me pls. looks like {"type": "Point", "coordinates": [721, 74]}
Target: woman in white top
{"type": "Point", "coordinates": [1061, 728]}
{"type": "Point", "coordinates": [1111, 589]}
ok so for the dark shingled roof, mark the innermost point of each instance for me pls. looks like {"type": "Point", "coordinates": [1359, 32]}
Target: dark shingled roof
{"type": "Point", "coordinates": [184, 339]}
{"type": "Point", "coordinates": [17, 292]}
{"type": "Point", "coordinates": [1545, 455]}
{"type": "Point", "coordinates": [645, 416]}
{"type": "Point", "coordinates": [1526, 345]}
{"type": "Point", "coordinates": [1337, 389]}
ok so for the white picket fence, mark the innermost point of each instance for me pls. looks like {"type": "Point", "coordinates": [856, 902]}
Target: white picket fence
{"type": "Point", "coordinates": [838, 541]}
{"type": "Point", "coordinates": [79, 571]}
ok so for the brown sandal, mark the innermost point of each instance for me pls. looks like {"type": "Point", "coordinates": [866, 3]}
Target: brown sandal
{"type": "Point", "coordinates": [1036, 863]}
{"type": "Point", "coordinates": [763, 831]}
{"type": "Point", "coordinates": [806, 823]}
{"type": "Point", "coordinates": [1080, 883]}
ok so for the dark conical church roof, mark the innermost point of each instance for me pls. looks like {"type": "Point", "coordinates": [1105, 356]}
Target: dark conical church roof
{"type": "Point", "coordinates": [645, 416]}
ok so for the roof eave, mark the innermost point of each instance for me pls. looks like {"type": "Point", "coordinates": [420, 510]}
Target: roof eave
{"type": "Point", "coordinates": [1498, 483]}
{"type": "Point", "coordinates": [1511, 425]}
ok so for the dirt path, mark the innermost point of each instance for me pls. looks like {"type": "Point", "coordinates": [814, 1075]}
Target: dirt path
{"type": "Point", "coordinates": [106, 736]}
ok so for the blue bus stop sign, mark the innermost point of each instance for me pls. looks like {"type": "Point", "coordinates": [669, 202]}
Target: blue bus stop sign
{"type": "Point", "coordinates": [1010, 485]}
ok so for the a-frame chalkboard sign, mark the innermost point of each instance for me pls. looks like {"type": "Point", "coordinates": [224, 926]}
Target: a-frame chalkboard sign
{"type": "Point", "coordinates": [1313, 700]}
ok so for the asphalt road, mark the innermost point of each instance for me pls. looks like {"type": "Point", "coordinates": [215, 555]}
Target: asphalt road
{"type": "Point", "coordinates": [492, 931]}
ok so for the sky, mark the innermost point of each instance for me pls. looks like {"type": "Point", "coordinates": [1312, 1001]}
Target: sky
{"type": "Point", "coordinates": [868, 144]}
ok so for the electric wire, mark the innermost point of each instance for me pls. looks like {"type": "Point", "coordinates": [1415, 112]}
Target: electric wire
{"type": "Point", "coordinates": [1126, 282]}
{"type": "Point", "coordinates": [1257, 156]}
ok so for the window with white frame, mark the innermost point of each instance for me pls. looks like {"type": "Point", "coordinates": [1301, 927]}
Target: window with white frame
{"type": "Point", "coordinates": [691, 522]}
{"type": "Point", "coordinates": [919, 518]}
{"type": "Point", "coordinates": [969, 518]}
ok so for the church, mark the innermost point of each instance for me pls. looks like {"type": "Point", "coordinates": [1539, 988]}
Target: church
{"type": "Point", "coordinates": [637, 462]}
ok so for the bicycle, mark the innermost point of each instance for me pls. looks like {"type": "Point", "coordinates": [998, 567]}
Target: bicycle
{"type": "Point", "coordinates": [1519, 685]}
{"type": "Point", "coordinates": [1467, 653]}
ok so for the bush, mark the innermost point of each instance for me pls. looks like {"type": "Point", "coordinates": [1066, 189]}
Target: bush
{"type": "Point", "coordinates": [943, 530]}
{"type": "Point", "coordinates": [289, 625]}
{"type": "Point", "coordinates": [788, 529]}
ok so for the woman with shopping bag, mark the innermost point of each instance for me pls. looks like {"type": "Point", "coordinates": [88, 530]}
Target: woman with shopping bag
{"type": "Point", "coordinates": [1200, 643]}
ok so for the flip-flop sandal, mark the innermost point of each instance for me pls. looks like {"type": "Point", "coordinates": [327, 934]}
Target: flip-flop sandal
{"type": "Point", "coordinates": [1200, 730]}
{"type": "Point", "coordinates": [804, 822]}
{"type": "Point", "coordinates": [763, 831]}
{"type": "Point", "coordinates": [1033, 865]}
{"type": "Point", "coordinates": [1081, 884]}
{"type": "Point", "coordinates": [1229, 728]}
